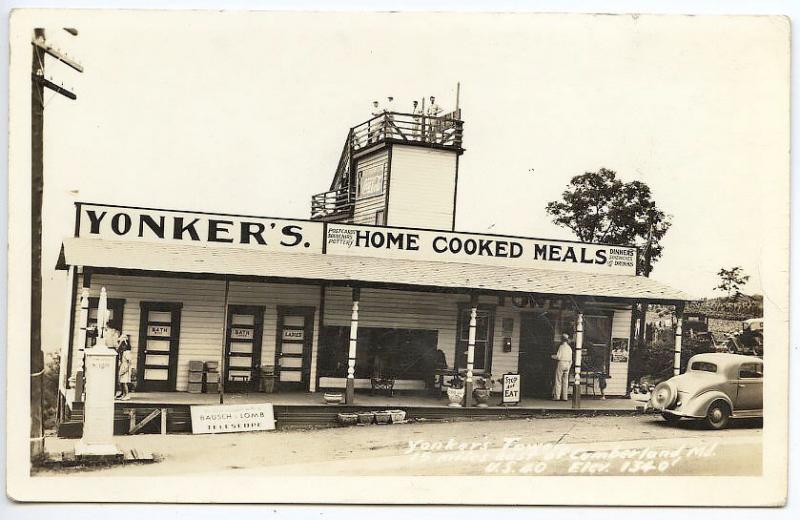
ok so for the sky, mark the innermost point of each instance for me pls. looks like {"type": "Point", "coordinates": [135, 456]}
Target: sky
{"type": "Point", "coordinates": [247, 113]}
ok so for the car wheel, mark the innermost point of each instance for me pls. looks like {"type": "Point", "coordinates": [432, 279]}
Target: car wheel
{"type": "Point", "coordinates": [718, 414]}
{"type": "Point", "coordinates": [671, 419]}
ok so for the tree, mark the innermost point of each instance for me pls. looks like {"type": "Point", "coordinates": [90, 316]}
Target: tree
{"type": "Point", "coordinates": [600, 208]}
{"type": "Point", "coordinates": [731, 280]}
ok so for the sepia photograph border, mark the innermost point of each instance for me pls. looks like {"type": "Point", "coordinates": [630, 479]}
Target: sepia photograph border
{"type": "Point", "coordinates": [770, 489]}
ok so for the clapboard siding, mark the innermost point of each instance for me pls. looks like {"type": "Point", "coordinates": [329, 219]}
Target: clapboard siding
{"type": "Point", "coordinates": [366, 207]}
{"type": "Point", "coordinates": [201, 334]}
{"type": "Point", "coordinates": [504, 362]}
{"type": "Point", "coordinates": [421, 187]}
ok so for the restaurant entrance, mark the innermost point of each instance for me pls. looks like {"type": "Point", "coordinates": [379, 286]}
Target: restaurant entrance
{"type": "Point", "coordinates": [536, 344]}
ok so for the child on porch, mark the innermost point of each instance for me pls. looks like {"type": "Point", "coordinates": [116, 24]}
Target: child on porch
{"type": "Point", "coordinates": [124, 368]}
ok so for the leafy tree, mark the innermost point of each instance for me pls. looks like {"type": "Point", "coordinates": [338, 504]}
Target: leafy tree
{"type": "Point", "coordinates": [600, 208]}
{"type": "Point", "coordinates": [731, 280]}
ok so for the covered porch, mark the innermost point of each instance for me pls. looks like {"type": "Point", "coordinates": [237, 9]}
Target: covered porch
{"type": "Point", "coordinates": [308, 409]}
{"type": "Point", "coordinates": [183, 270]}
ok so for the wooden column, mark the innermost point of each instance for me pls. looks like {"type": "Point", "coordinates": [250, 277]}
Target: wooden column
{"type": "Point", "coordinates": [576, 386]}
{"type": "Point", "coordinates": [473, 325]}
{"type": "Point", "coordinates": [351, 356]}
{"type": "Point", "coordinates": [69, 305]}
{"type": "Point", "coordinates": [676, 363]}
{"type": "Point", "coordinates": [83, 322]}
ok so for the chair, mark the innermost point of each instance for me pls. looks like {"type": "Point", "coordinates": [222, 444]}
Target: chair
{"type": "Point", "coordinates": [441, 371]}
{"type": "Point", "coordinates": [381, 379]}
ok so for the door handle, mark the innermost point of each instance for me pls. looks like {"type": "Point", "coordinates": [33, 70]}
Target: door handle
{"type": "Point", "coordinates": [741, 385]}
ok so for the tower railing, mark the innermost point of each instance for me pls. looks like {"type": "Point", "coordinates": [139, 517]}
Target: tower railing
{"type": "Point", "coordinates": [446, 131]}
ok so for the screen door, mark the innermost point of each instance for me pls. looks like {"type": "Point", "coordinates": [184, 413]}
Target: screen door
{"type": "Point", "coordinates": [159, 332]}
{"type": "Point", "coordinates": [243, 347]}
{"type": "Point", "coordinates": [293, 352]}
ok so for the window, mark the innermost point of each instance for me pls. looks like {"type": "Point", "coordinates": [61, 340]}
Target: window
{"type": "Point", "coordinates": [596, 343]}
{"type": "Point", "coordinates": [704, 366]}
{"type": "Point", "coordinates": [751, 371]}
{"type": "Point", "coordinates": [484, 322]}
{"type": "Point", "coordinates": [405, 353]}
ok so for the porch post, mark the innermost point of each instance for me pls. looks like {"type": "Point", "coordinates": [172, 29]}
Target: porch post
{"type": "Point", "coordinates": [473, 324]}
{"type": "Point", "coordinates": [576, 389]}
{"type": "Point", "coordinates": [82, 324]}
{"type": "Point", "coordinates": [676, 363]}
{"type": "Point", "coordinates": [70, 308]}
{"type": "Point", "coordinates": [351, 356]}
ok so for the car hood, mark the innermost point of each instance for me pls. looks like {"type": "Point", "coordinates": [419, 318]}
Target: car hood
{"type": "Point", "coordinates": [693, 383]}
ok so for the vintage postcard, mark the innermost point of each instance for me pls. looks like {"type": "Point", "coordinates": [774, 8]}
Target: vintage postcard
{"type": "Point", "coordinates": [477, 258]}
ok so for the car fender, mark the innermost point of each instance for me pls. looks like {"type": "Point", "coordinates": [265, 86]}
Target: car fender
{"type": "Point", "coordinates": [699, 404]}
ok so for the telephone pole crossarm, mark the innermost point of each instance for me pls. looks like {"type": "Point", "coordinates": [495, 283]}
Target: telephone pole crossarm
{"type": "Point", "coordinates": [52, 86]}
{"type": "Point", "coordinates": [52, 51]}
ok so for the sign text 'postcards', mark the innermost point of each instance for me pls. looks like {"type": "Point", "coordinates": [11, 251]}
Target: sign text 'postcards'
{"type": "Point", "coordinates": [268, 234]}
{"type": "Point", "coordinates": [348, 239]}
{"type": "Point", "coordinates": [228, 418]}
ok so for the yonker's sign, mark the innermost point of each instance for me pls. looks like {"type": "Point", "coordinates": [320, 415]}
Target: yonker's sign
{"type": "Point", "coordinates": [305, 236]}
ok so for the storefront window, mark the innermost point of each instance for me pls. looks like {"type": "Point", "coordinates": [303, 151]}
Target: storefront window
{"type": "Point", "coordinates": [400, 353]}
{"type": "Point", "coordinates": [484, 322]}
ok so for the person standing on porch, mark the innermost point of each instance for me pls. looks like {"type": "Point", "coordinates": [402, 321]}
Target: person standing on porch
{"type": "Point", "coordinates": [125, 367]}
{"type": "Point", "coordinates": [564, 362]}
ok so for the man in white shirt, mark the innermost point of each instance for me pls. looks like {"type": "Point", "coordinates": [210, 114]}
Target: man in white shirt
{"type": "Point", "coordinates": [434, 125]}
{"type": "Point", "coordinates": [374, 126]}
{"type": "Point", "coordinates": [564, 358]}
{"type": "Point", "coordinates": [416, 112]}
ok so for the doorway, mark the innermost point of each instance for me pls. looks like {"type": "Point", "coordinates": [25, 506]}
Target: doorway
{"type": "Point", "coordinates": [243, 347]}
{"type": "Point", "coordinates": [536, 345]}
{"type": "Point", "coordinates": [293, 347]}
{"type": "Point", "coordinates": [159, 334]}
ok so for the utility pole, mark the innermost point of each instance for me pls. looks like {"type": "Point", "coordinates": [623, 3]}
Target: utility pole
{"type": "Point", "coordinates": [642, 307]}
{"type": "Point", "coordinates": [38, 84]}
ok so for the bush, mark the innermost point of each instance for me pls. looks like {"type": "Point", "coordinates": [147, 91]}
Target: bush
{"type": "Point", "coordinates": [50, 390]}
{"type": "Point", "coordinates": [654, 363]}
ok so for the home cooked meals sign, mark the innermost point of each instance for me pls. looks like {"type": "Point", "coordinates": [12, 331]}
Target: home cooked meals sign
{"type": "Point", "coordinates": [407, 243]}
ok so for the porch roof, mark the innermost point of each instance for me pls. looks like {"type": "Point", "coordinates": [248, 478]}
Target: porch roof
{"type": "Point", "coordinates": [339, 269]}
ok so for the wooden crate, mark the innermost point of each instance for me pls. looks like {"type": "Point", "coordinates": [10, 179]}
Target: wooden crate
{"type": "Point", "coordinates": [195, 366]}
{"type": "Point", "coordinates": [195, 388]}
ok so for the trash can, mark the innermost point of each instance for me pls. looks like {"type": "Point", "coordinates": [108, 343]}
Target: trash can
{"type": "Point", "coordinates": [267, 383]}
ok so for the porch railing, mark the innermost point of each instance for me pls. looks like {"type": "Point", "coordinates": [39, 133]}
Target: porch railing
{"type": "Point", "coordinates": [446, 131]}
{"type": "Point", "coordinates": [332, 202]}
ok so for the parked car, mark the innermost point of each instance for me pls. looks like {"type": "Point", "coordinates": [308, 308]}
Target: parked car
{"type": "Point", "coordinates": [715, 388]}
{"type": "Point", "coordinates": [748, 341]}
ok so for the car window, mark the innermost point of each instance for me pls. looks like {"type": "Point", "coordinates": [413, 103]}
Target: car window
{"type": "Point", "coordinates": [704, 366]}
{"type": "Point", "coordinates": [751, 371]}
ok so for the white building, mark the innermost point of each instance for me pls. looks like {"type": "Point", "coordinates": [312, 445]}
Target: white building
{"type": "Point", "coordinates": [265, 295]}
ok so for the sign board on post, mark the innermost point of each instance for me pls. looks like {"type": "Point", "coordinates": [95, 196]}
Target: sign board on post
{"type": "Point", "coordinates": [228, 418]}
{"type": "Point", "coordinates": [511, 388]}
